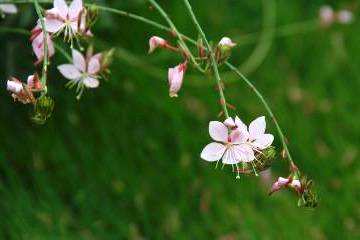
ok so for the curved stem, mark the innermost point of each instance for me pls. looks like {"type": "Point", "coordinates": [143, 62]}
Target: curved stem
{"type": "Point", "coordinates": [267, 107]}
{"type": "Point", "coordinates": [46, 52]}
{"type": "Point", "coordinates": [212, 57]}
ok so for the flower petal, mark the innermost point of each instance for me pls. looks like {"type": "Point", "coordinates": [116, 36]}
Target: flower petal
{"type": "Point", "coordinates": [230, 157]}
{"type": "Point", "coordinates": [218, 131]}
{"type": "Point", "coordinates": [257, 128]}
{"type": "Point", "coordinates": [263, 141]}
{"type": "Point", "coordinates": [240, 125]}
{"type": "Point", "coordinates": [213, 152]}
{"type": "Point", "coordinates": [93, 66]}
{"type": "Point", "coordinates": [53, 25]}
{"type": "Point", "coordinates": [78, 60]}
{"type": "Point", "coordinates": [62, 8]}
{"type": "Point", "coordinates": [230, 122]}
{"type": "Point", "coordinates": [69, 71]}
{"type": "Point", "coordinates": [75, 8]}
{"type": "Point", "coordinates": [91, 82]}
{"type": "Point", "coordinates": [244, 153]}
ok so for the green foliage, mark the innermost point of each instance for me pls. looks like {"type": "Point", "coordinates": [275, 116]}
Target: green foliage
{"type": "Point", "coordinates": [123, 163]}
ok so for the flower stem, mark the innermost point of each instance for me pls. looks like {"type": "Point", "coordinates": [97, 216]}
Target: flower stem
{"type": "Point", "coordinates": [212, 58]}
{"type": "Point", "coordinates": [46, 52]}
{"type": "Point", "coordinates": [267, 107]}
{"type": "Point", "coordinates": [178, 34]}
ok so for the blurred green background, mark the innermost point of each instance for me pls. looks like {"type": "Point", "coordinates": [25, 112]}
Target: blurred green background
{"type": "Point", "coordinates": [123, 163]}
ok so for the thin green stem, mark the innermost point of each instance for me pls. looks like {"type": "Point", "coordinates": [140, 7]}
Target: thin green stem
{"type": "Point", "coordinates": [212, 57]}
{"type": "Point", "coordinates": [178, 34]}
{"type": "Point", "coordinates": [267, 107]}
{"type": "Point", "coordinates": [46, 52]}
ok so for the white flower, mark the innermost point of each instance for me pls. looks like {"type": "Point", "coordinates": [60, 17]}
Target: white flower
{"type": "Point", "coordinates": [64, 18]}
{"type": "Point", "coordinates": [83, 72]}
{"type": "Point", "coordinates": [14, 86]}
{"type": "Point", "coordinates": [8, 8]}
{"type": "Point", "coordinates": [230, 146]}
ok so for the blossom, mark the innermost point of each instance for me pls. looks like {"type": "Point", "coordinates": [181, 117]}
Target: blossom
{"type": "Point", "coordinates": [345, 17]}
{"type": "Point", "coordinates": [175, 78]}
{"type": "Point", "coordinates": [326, 15]}
{"type": "Point", "coordinates": [226, 42]}
{"type": "Point", "coordinates": [230, 146]}
{"type": "Point", "coordinates": [285, 182]}
{"type": "Point", "coordinates": [64, 18]}
{"type": "Point", "coordinates": [156, 42]}
{"type": "Point", "coordinates": [8, 8]}
{"type": "Point", "coordinates": [37, 42]}
{"type": "Point", "coordinates": [20, 91]}
{"type": "Point", "coordinates": [83, 71]}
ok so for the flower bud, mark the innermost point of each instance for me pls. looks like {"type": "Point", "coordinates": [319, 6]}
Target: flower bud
{"type": "Point", "coordinates": [43, 109]}
{"type": "Point", "coordinates": [176, 76]}
{"type": "Point", "coordinates": [156, 42]}
{"type": "Point", "coordinates": [14, 86]}
{"type": "Point", "coordinates": [34, 83]}
{"type": "Point", "coordinates": [226, 43]}
{"type": "Point", "coordinates": [326, 15]}
{"type": "Point", "coordinates": [345, 17]}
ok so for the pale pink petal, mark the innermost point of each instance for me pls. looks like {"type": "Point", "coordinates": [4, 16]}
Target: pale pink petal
{"type": "Point", "coordinates": [13, 86]}
{"type": "Point", "coordinates": [69, 71]}
{"type": "Point", "coordinates": [53, 25]}
{"type": "Point", "coordinates": [280, 183]}
{"type": "Point", "coordinates": [238, 136]}
{"type": "Point", "coordinates": [230, 122]}
{"type": "Point", "coordinates": [244, 153]}
{"type": "Point", "coordinates": [91, 82]}
{"type": "Point", "coordinates": [156, 42]}
{"type": "Point", "coordinates": [97, 56]}
{"type": "Point", "coordinates": [175, 78]}
{"type": "Point", "coordinates": [218, 131]}
{"type": "Point", "coordinates": [213, 152]}
{"type": "Point", "coordinates": [295, 184]}
{"type": "Point", "coordinates": [79, 60]}
{"type": "Point", "coordinates": [52, 13]}
{"type": "Point", "coordinates": [263, 141]}
{"type": "Point", "coordinates": [230, 157]}
{"type": "Point", "coordinates": [8, 8]}
{"type": "Point", "coordinates": [257, 128]}
{"type": "Point", "coordinates": [93, 66]}
{"type": "Point", "coordinates": [62, 8]}
{"type": "Point", "coordinates": [240, 125]}
{"type": "Point", "coordinates": [75, 8]}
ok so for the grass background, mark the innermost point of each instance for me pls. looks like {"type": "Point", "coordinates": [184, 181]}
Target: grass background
{"type": "Point", "coordinates": [123, 163]}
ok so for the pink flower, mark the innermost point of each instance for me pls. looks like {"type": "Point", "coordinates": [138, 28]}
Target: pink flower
{"type": "Point", "coordinates": [19, 91]}
{"type": "Point", "coordinates": [83, 72]}
{"type": "Point", "coordinates": [327, 15]}
{"type": "Point", "coordinates": [345, 17]}
{"type": "Point", "coordinates": [37, 39]}
{"type": "Point", "coordinates": [156, 42]}
{"type": "Point", "coordinates": [175, 77]}
{"type": "Point", "coordinates": [64, 18]}
{"type": "Point", "coordinates": [230, 146]}
{"type": "Point", "coordinates": [227, 43]}
{"type": "Point", "coordinates": [14, 86]}
{"type": "Point", "coordinates": [285, 182]}
{"type": "Point", "coordinates": [8, 8]}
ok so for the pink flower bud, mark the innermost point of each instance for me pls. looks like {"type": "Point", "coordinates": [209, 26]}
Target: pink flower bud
{"type": "Point", "coordinates": [14, 86]}
{"type": "Point", "coordinates": [156, 42]}
{"type": "Point", "coordinates": [33, 82]}
{"type": "Point", "coordinates": [326, 15]}
{"type": "Point", "coordinates": [226, 42]}
{"type": "Point", "coordinates": [345, 17]}
{"type": "Point", "coordinates": [176, 76]}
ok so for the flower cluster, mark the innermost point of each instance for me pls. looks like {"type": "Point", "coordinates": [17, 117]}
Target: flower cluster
{"type": "Point", "coordinates": [236, 143]}
{"type": "Point", "coordinates": [328, 16]}
{"type": "Point", "coordinates": [73, 21]}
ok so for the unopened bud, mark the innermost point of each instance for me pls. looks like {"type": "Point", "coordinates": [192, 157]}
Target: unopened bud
{"type": "Point", "coordinates": [43, 109]}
